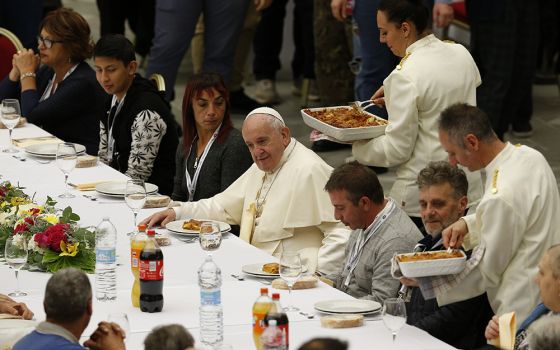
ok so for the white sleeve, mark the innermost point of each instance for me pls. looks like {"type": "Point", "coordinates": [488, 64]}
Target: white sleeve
{"type": "Point", "coordinates": [331, 253]}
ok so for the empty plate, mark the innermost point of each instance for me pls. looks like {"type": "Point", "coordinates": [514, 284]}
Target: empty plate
{"type": "Point", "coordinates": [349, 306]}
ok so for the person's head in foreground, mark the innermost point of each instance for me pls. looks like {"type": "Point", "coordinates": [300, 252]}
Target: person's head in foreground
{"type": "Point", "coordinates": [466, 134]}
{"type": "Point", "coordinates": [324, 344]}
{"type": "Point", "coordinates": [115, 64]}
{"type": "Point", "coordinates": [267, 136]}
{"type": "Point", "coordinates": [443, 195]}
{"type": "Point", "coordinates": [356, 194]}
{"type": "Point", "coordinates": [548, 278]}
{"type": "Point", "coordinates": [545, 333]}
{"type": "Point", "coordinates": [169, 337]}
{"type": "Point", "coordinates": [401, 23]}
{"type": "Point", "coordinates": [64, 38]}
{"type": "Point", "coordinates": [68, 300]}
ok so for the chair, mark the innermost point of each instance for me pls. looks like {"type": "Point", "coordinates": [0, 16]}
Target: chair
{"type": "Point", "coordinates": [158, 81]}
{"type": "Point", "coordinates": [9, 45]}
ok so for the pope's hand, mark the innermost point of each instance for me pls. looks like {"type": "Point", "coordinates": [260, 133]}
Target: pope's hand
{"type": "Point", "coordinates": [161, 218]}
{"type": "Point", "coordinates": [454, 234]}
{"type": "Point", "coordinates": [493, 329]}
{"type": "Point", "coordinates": [379, 97]}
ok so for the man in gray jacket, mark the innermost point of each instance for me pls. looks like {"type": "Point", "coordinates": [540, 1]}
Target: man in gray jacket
{"type": "Point", "coordinates": [380, 229]}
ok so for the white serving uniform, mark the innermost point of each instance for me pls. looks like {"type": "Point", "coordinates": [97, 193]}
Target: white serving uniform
{"type": "Point", "coordinates": [517, 220]}
{"type": "Point", "coordinates": [296, 215]}
{"type": "Point", "coordinates": [432, 76]}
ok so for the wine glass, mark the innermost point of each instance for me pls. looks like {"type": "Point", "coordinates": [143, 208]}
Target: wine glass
{"type": "Point", "coordinates": [210, 236]}
{"type": "Point", "coordinates": [394, 315]}
{"type": "Point", "coordinates": [120, 318]}
{"type": "Point", "coordinates": [15, 253]}
{"type": "Point", "coordinates": [10, 114]}
{"type": "Point", "coordinates": [135, 198]}
{"type": "Point", "coordinates": [290, 271]}
{"type": "Point", "coordinates": [66, 161]}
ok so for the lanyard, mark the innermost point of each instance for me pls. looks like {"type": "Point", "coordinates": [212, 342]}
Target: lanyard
{"type": "Point", "coordinates": [115, 109]}
{"type": "Point", "coordinates": [364, 236]}
{"type": "Point", "coordinates": [48, 93]}
{"type": "Point", "coordinates": [191, 183]}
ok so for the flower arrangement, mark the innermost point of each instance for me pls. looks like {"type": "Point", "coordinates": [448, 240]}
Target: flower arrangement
{"type": "Point", "coordinates": [54, 238]}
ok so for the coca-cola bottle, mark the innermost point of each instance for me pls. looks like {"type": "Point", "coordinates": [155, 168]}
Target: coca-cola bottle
{"type": "Point", "coordinates": [151, 275]}
{"type": "Point", "coordinates": [277, 313]}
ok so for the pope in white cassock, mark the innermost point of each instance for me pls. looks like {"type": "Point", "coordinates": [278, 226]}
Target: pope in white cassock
{"type": "Point", "coordinates": [279, 201]}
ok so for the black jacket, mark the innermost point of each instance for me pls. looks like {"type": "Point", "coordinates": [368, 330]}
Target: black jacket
{"type": "Point", "coordinates": [142, 95]}
{"type": "Point", "coordinates": [460, 324]}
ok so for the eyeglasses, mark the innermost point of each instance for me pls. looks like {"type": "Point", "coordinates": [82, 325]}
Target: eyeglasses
{"type": "Point", "coordinates": [47, 42]}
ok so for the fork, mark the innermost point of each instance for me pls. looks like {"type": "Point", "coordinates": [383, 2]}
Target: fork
{"type": "Point", "coordinates": [19, 158]}
{"type": "Point", "coordinates": [238, 277]}
{"type": "Point", "coordinates": [91, 198]}
{"type": "Point", "coordinates": [362, 105]}
{"type": "Point", "coordinates": [306, 314]}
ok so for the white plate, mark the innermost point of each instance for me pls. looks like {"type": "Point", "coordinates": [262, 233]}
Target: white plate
{"type": "Point", "coordinates": [48, 150]}
{"type": "Point", "coordinates": [177, 227]}
{"type": "Point", "coordinates": [118, 188]}
{"type": "Point", "coordinates": [343, 134]}
{"type": "Point", "coordinates": [256, 270]}
{"type": "Point", "coordinates": [349, 306]}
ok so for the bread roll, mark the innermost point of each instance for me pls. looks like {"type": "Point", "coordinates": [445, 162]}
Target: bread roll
{"type": "Point", "coordinates": [86, 161]}
{"type": "Point", "coordinates": [157, 201]}
{"type": "Point", "coordinates": [304, 282]}
{"type": "Point", "coordinates": [342, 321]}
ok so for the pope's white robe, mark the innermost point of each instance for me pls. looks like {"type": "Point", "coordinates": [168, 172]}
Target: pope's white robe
{"type": "Point", "coordinates": [433, 77]}
{"type": "Point", "coordinates": [297, 214]}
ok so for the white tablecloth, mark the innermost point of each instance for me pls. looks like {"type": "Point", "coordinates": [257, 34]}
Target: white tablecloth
{"type": "Point", "coordinates": [181, 292]}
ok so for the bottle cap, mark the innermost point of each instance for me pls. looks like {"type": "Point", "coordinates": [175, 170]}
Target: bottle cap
{"type": "Point", "coordinates": [272, 322]}
{"type": "Point", "coordinates": [142, 228]}
{"type": "Point", "coordinates": [275, 296]}
{"type": "Point", "coordinates": [151, 232]}
{"type": "Point", "coordinates": [264, 290]}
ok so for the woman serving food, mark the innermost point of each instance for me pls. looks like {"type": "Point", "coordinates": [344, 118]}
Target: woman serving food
{"type": "Point", "coordinates": [431, 76]}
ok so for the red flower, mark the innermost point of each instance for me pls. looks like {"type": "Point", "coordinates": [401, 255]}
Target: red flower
{"type": "Point", "coordinates": [29, 220]}
{"type": "Point", "coordinates": [20, 228]}
{"type": "Point", "coordinates": [52, 236]}
{"type": "Point", "coordinates": [34, 211]}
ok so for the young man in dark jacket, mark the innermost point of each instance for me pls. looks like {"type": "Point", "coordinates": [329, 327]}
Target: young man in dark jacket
{"type": "Point", "coordinates": [138, 136]}
{"type": "Point", "coordinates": [443, 199]}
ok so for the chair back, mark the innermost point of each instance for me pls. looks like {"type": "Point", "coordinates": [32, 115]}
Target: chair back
{"type": "Point", "coordinates": [158, 81]}
{"type": "Point", "coordinates": [9, 45]}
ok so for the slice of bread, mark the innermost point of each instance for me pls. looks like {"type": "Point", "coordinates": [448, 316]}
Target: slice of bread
{"type": "Point", "coordinates": [304, 282]}
{"type": "Point", "coordinates": [342, 321]}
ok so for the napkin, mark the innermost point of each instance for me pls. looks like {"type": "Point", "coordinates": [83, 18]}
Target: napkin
{"type": "Point", "coordinates": [21, 123]}
{"type": "Point", "coordinates": [86, 186]}
{"type": "Point", "coordinates": [30, 141]}
{"type": "Point", "coordinates": [507, 326]}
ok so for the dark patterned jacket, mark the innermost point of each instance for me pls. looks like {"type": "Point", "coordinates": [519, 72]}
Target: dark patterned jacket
{"type": "Point", "coordinates": [145, 136]}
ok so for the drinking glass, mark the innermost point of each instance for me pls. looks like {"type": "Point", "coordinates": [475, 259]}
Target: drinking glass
{"type": "Point", "coordinates": [120, 318]}
{"type": "Point", "coordinates": [10, 114]}
{"type": "Point", "coordinates": [66, 162]}
{"type": "Point", "coordinates": [290, 271]}
{"type": "Point", "coordinates": [15, 253]}
{"type": "Point", "coordinates": [210, 236]}
{"type": "Point", "coordinates": [135, 198]}
{"type": "Point", "coordinates": [394, 315]}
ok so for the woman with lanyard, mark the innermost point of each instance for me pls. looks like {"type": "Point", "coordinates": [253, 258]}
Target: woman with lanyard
{"type": "Point", "coordinates": [212, 153]}
{"type": "Point", "coordinates": [431, 76]}
{"type": "Point", "coordinates": [62, 96]}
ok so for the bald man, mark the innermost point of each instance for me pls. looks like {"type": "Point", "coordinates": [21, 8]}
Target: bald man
{"type": "Point", "coordinates": [279, 201]}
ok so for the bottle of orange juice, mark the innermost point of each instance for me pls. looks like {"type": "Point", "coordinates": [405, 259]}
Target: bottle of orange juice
{"type": "Point", "coordinates": [260, 308]}
{"type": "Point", "coordinates": [137, 242]}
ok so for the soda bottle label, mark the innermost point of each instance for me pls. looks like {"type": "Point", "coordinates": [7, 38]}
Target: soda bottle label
{"type": "Point", "coordinates": [135, 257]}
{"type": "Point", "coordinates": [258, 322]}
{"type": "Point", "coordinates": [210, 298]}
{"type": "Point", "coordinates": [151, 270]}
{"type": "Point", "coordinates": [105, 255]}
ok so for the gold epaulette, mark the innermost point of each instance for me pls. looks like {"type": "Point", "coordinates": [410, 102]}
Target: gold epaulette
{"type": "Point", "coordinates": [495, 182]}
{"type": "Point", "coordinates": [449, 41]}
{"type": "Point", "coordinates": [518, 145]}
{"type": "Point", "coordinates": [399, 66]}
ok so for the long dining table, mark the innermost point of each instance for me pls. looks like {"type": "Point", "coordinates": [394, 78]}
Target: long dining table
{"type": "Point", "coordinates": [181, 260]}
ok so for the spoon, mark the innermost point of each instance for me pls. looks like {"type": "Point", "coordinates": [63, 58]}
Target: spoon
{"type": "Point", "coordinates": [308, 315]}
{"type": "Point", "coordinates": [237, 277]}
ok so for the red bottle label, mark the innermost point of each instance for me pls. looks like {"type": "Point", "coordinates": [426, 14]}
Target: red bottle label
{"type": "Point", "coordinates": [151, 270]}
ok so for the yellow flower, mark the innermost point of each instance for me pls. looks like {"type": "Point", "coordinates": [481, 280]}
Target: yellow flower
{"type": "Point", "coordinates": [68, 249]}
{"type": "Point", "coordinates": [51, 219]}
{"type": "Point", "coordinates": [19, 201]}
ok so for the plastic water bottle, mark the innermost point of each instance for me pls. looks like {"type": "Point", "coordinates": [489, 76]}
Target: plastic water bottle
{"type": "Point", "coordinates": [105, 261]}
{"type": "Point", "coordinates": [211, 315]}
{"type": "Point", "coordinates": [272, 337]}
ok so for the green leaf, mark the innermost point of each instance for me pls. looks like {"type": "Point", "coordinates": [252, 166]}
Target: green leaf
{"type": "Point", "coordinates": [50, 256]}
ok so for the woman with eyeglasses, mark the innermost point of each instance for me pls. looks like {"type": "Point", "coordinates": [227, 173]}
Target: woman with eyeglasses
{"type": "Point", "coordinates": [57, 88]}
